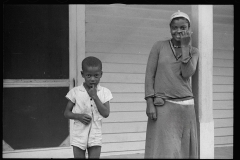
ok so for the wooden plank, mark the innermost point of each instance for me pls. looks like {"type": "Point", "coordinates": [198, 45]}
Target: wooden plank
{"type": "Point", "coordinates": [120, 58]}
{"type": "Point", "coordinates": [222, 96]}
{"type": "Point", "coordinates": [128, 97]}
{"type": "Point", "coordinates": [223, 140]}
{"type": "Point", "coordinates": [124, 68]}
{"type": "Point", "coordinates": [123, 78]}
{"type": "Point", "coordinates": [126, 117]}
{"type": "Point", "coordinates": [126, 30]}
{"type": "Point", "coordinates": [222, 62]}
{"type": "Point", "coordinates": [120, 87]}
{"type": "Point", "coordinates": [223, 88]}
{"type": "Point", "coordinates": [118, 48]}
{"type": "Point", "coordinates": [222, 41]}
{"type": "Point", "coordinates": [222, 53]}
{"type": "Point", "coordinates": [223, 104]}
{"type": "Point", "coordinates": [223, 131]}
{"type": "Point", "coordinates": [127, 12]}
{"type": "Point", "coordinates": [223, 10]}
{"type": "Point", "coordinates": [172, 8]}
{"type": "Point", "coordinates": [223, 113]}
{"type": "Point", "coordinates": [136, 106]}
{"type": "Point", "coordinates": [223, 28]}
{"type": "Point", "coordinates": [124, 127]}
{"type": "Point", "coordinates": [222, 80]}
{"type": "Point", "coordinates": [124, 137]}
{"type": "Point", "coordinates": [126, 146]}
{"type": "Point", "coordinates": [221, 71]}
{"type": "Point", "coordinates": [127, 38]}
{"type": "Point", "coordinates": [225, 122]}
{"type": "Point", "coordinates": [127, 21]}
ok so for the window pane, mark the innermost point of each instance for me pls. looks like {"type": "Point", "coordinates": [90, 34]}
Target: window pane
{"type": "Point", "coordinates": [34, 117]}
{"type": "Point", "coordinates": [35, 42]}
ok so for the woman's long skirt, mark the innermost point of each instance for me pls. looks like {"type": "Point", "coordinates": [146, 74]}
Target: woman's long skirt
{"type": "Point", "coordinates": [173, 134]}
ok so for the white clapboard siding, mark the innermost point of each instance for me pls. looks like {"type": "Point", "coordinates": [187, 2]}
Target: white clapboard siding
{"type": "Point", "coordinates": [121, 36]}
{"type": "Point", "coordinates": [223, 74]}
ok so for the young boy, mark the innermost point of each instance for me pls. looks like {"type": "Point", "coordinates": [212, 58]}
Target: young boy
{"type": "Point", "coordinates": [87, 105]}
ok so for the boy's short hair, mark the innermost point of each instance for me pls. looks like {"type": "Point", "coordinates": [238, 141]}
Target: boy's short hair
{"type": "Point", "coordinates": [91, 62]}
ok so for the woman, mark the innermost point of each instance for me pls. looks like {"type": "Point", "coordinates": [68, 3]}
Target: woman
{"type": "Point", "coordinates": [171, 127]}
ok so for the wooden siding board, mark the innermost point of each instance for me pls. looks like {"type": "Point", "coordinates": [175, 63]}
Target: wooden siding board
{"type": "Point", "coordinates": [124, 127]}
{"type": "Point", "coordinates": [222, 71]}
{"type": "Point", "coordinates": [124, 137]}
{"type": "Point", "coordinates": [125, 146]}
{"type": "Point", "coordinates": [120, 58]}
{"type": "Point", "coordinates": [222, 96]}
{"type": "Point", "coordinates": [222, 54]}
{"type": "Point", "coordinates": [123, 78]}
{"type": "Point", "coordinates": [223, 63]}
{"type": "Point", "coordinates": [223, 122]}
{"type": "Point", "coordinates": [126, 30]}
{"type": "Point", "coordinates": [223, 88]}
{"type": "Point", "coordinates": [118, 48]}
{"type": "Point", "coordinates": [128, 117]}
{"type": "Point", "coordinates": [218, 80]}
{"type": "Point", "coordinates": [223, 131]}
{"type": "Point", "coordinates": [223, 113]}
{"type": "Point", "coordinates": [127, 106]}
{"type": "Point", "coordinates": [223, 104]}
{"type": "Point", "coordinates": [221, 140]}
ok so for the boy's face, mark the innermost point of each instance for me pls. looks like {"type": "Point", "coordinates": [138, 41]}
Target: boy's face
{"type": "Point", "coordinates": [92, 75]}
{"type": "Point", "coordinates": [177, 26]}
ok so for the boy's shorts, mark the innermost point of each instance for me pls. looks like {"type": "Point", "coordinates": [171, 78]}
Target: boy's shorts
{"type": "Point", "coordinates": [84, 136]}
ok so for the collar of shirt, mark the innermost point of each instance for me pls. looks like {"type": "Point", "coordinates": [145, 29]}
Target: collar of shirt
{"type": "Point", "coordinates": [82, 88]}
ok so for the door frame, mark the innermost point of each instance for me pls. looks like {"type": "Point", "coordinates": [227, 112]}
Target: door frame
{"type": "Point", "coordinates": [76, 55]}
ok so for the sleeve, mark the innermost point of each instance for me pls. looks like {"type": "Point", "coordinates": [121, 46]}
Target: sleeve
{"type": "Point", "coordinates": [71, 95]}
{"type": "Point", "coordinates": [189, 63]}
{"type": "Point", "coordinates": [107, 95]}
{"type": "Point", "coordinates": [151, 70]}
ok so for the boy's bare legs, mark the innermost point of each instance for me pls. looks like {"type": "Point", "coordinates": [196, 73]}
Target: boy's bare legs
{"type": "Point", "coordinates": [79, 153]}
{"type": "Point", "coordinates": [94, 152]}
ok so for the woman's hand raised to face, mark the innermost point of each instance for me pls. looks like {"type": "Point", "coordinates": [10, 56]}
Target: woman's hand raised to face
{"type": "Point", "coordinates": [186, 38]}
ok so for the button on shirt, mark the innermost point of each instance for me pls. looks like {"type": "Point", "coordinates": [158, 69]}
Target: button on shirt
{"type": "Point", "coordinates": [85, 104]}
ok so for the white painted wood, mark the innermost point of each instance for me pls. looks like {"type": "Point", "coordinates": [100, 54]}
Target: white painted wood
{"type": "Point", "coordinates": [223, 122]}
{"type": "Point", "coordinates": [126, 117]}
{"type": "Point", "coordinates": [217, 80]}
{"type": "Point", "coordinates": [202, 82]}
{"type": "Point", "coordinates": [128, 97]}
{"type": "Point", "coordinates": [224, 131]}
{"type": "Point", "coordinates": [223, 104]}
{"type": "Point", "coordinates": [125, 146]}
{"type": "Point", "coordinates": [127, 106]}
{"type": "Point", "coordinates": [124, 127]}
{"type": "Point", "coordinates": [223, 63]}
{"type": "Point", "coordinates": [223, 88]}
{"type": "Point", "coordinates": [124, 137]}
{"type": "Point", "coordinates": [222, 71]}
{"type": "Point", "coordinates": [11, 83]}
{"type": "Point", "coordinates": [223, 113]}
{"type": "Point", "coordinates": [123, 78]}
{"type": "Point", "coordinates": [124, 68]}
{"type": "Point", "coordinates": [121, 58]}
{"type": "Point", "coordinates": [222, 54]}
{"type": "Point", "coordinates": [223, 140]}
{"type": "Point", "coordinates": [81, 49]}
{"type": "Point", "coordinates": [222, 96]}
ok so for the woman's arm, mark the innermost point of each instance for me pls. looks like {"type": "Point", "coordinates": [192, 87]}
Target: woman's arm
{"type": "Point", "coordinates": [151, 71]}
{"type": "Point", "coordinates": [189, 61]}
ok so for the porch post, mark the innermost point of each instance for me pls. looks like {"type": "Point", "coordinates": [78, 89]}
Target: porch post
{"type": "Point", "coordinates": [202, 81]}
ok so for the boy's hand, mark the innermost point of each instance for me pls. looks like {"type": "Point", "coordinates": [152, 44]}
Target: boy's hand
{"type": "Point", "coordinates": [84, 118]}
{"type": "Point", "coordinates": [92, 92]}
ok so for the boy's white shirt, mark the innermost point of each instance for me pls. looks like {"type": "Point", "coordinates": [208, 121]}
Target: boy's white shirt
{"type": "Point", "coordinates": [80, 97]}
